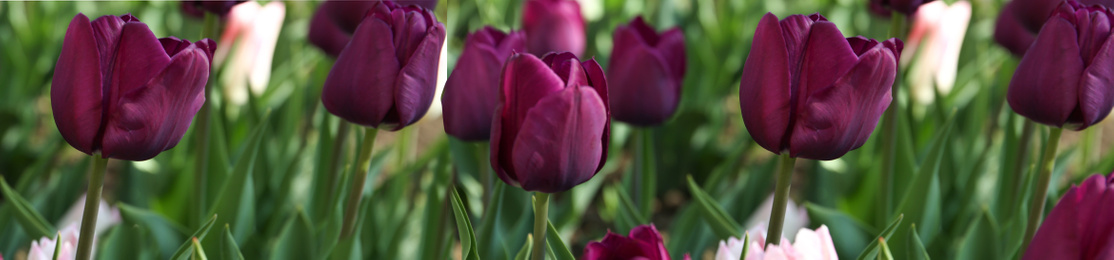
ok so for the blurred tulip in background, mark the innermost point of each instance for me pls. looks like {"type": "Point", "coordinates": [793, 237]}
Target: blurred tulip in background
{"type": "Point", "coordinates": [246, 48]}
{"type": "Point", "coordinates": [472, 90]}
{"type": "Point", "coordinates": [553, 26]}
{"type": "Point", "coordinates": [646, 72]}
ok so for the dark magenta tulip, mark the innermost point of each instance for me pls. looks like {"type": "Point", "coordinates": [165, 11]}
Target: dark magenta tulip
{"type": "Point", "coordinates": [553, 26]}
{"type": "Point", "coordinates": [472, 90]}
{"type": "Point", "coordinates": [387, 76]}
{"type": "Point", "coordinates": [335, 21]}
{"type": "Point", "coordinates": [645, 72]}
{"type": "Point", "coordinates": [552, 129]}
{"type": "Point", "coordinates": [644, 242]}
{"type": "Point", "coordinates": [1080, 226]}
{"type": "Point", "coordinates": [809, 91]}
{"type": "Point", "coordinates": [907, 7]}
{"type": "Point", "coordinates": [1020, 20]}
{"type": "Point", "coordinates": [1064, 79]}
{"type": "Point", "coordinates": [122, 92]}
{"type": "Point", "coordinates": [198, 8]}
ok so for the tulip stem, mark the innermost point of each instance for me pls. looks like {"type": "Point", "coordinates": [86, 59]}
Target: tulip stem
{"type": "Point", "coordinates": [358, 179]}
{"type": "Point", "coordinates": [483, 154]}
{"type": "Point", "coordinates": [201, 168]}
{"type": "Point", "coordinates": [541, 215]}
{"type": "Point", "coordinates": [92, 207]}
{"type": "Point", "coordinates": [889, 134]}
{"type": "Point", "coordinates": [1036, 208]}
{"type": "Point", "coordinates": [1019, 166]}
{"type": "Point", "coordinates": [781, 198]}
{"type": "Point", "coordinates": [648, 180]}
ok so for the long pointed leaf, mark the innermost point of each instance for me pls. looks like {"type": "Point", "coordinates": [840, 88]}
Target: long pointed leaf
{"type": "Point", "coordinates": [720, 222]}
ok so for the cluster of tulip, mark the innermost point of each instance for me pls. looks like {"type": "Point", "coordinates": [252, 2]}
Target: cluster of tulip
{"type": "Point", "coordinates": [806, 91]}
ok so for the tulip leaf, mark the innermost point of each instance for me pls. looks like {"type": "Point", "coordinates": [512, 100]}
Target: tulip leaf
{"type": "Point", "coordinates": [554, 241]}
{"type": "Point", "coordinates": [236, 200]}
{"type": "Point", "coordinates": [852, 233]}
{"type": "Point", "coordinates": [295, 241]}
{"type": "Point", "coordinates": [720, 222]}
{"type": "Point", "coordinates": [629, 208]}
{"type": "Point", "coordinates": [198, 252]}
{"type": "Point", "coordinates": [185, 251]}
{"type": "Point", "coordinates": [432, 225]}
{"type": "Point", "coordinates": [980, 241]}
{"type": "Point", "coordinates": [229, 249]}
{"type": "Point", "coordinates": [886, 254]}
{"type": "Point", "coordinates": [57, 249]}
{"type": "Point", "coordinates": [33, 223]}
{"type": "Point", "coordinates": [524, 253]}
{"type": "Point", "coordinates": [164, 233]}
{"type": "Point", "coordinates": [347, 249]}
{"type": "Point", "coordinates": [919, 252]}
{"type": "Point", "coordinates": [468, 246]}
{"type": "Point", "coordinates": [922, 200]}
{"type": "Point", "coordinates": [871, 250]}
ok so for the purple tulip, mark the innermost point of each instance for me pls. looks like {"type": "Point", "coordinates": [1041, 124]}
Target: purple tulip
{"type": "Point", "coordinates": [552, 129]}
{"type": "Point", "coordinates": [646, 71]}
{"type": "Point", "coordinates": [644, 242]}
{"type": "Point", "coordinates": [387, 76]}
{"type": "Point", "coordinates": [1080, 225]}
{"type": "Point", "coordinates": [1063, 80]}
{"type": "Point", "coordinates": [553, 26]}
{"type": "Point", "coordinates": [198, 8]}
{"type": "Point", "coordinates": [120, 91]}
{"type": "Point", "coordinates": [335, 21]}
{"type": "Point", "coordinates": [472, 90]}
{"type": "Point", "coordinates": [907, 7]}
{"type": "Point", "coordinates": [809, 90]}
{"type": "Point", "coordinates": [1020, 20]}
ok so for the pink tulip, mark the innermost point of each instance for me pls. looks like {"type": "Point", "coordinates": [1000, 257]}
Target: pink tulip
{"type": "Point", "coordinates": [808, 245]}
{"type": "Point", "coordinates": [247, 47]}
{"type": "Point", "coordinates": [936, 39]}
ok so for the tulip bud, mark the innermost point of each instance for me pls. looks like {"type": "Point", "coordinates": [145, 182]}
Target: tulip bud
{"type": "Point", "coordinates": [553, 26]}
{"type": "Point", "coordinates": [119, 90]}
{"type": "Point", "coordinates": [809, 90]}
{"type": "Point", "coordinates": [644, 242]}
{"type": "Point", "coordinates": [335, 21]}
{"type": "Point", "coordinates": [1020, 20]}
{"type": "Point", "coordinates": [552, 128]}
{"type": "Point", "coordinates": [907, 7]}
{"type": "Point", "coordinates": [1063, 80]}
{"type": "Point", "coordinates": [472, 90]}
{"type": "Point", "coordinates": [646, 71]}
{"type": "Point", "coordinates": [1079, 226]}
{"type": "Point", "coordinates": [387, 76]}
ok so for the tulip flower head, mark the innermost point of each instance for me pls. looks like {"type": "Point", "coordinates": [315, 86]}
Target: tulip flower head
{"type": "Point", "coordinates": [1020, 20]}
{"type": "Point", "coordinates": [644, 242]}
{"type": "Point", "coordinates": [387, 76]}
{"type": "Point", "coordinates": [809, 244]}
{"type": "Point", "coordinates": [907, 7]}
{"type": "Point", "coordinates": [809, 91]}
{"type": "Point", "coordinates": [65, 245]}
{"type": "Point", "coordinates": [646, 71]}
{"type": "Point", "coordinates": [1064, 79]}
{"type": "Point", "coordinates": [1079, 226]}
{"type": "Point", "coordinates": [335, 21]}
{"type": "Point", "coordinates": [219, 7]}
{"type": "Point", "coordinates": [251, 33]}
{"type": "Point", "coordinates": [552, 129]}
{"type": "Point", "coordinates": [472, 91]}
{"type": "Point", "coordinates": [936, 39]}
{"type": "Point", "coordinates": [122, 92]}
{"type": "Point", "coordinates": [553, 26]}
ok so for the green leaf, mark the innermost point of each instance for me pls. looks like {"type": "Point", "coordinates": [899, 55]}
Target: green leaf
{"type": "Point", "coordinates": [164, 233]}
{"type": "Point", "coordinates": [184, 251]}
{"type": "Point", "coordinates": [198, 252]}
{"type": "Point", "coordinates": [32, 222]}
{"type": "Point", "coordinates": [886, 255]}
{"type": "Point", "coordinates": [629, 208]}
{"type": "Point", "coordinates": [468, 246]}
{"type": "Point", "coordinates": [981, 240]}
{"type": "Point", "coordinates": [57, 248]}
{"type": "Point", "coordinates": [236, 200]}
{"type": "Point", "coordinates": [871, 250]}
{"type": "Point", "coordinates": [347, 249]}
{"type": "Point", "coordinates": [919, 252]}
{"type": "Point", "coordinates": [853, 234]}
{"type": "Point", "coordinates": [524, 253]}
{"type": "Point", "coordinates": [720, 222]}
{"type": "Point", "coordinates": [554, 241]}
{"type": "Point", "coordinates": [746, 246]}
{"type": "Point", "coordinates": [229, 249]}
{"type": "Point", "coordinates": [922, 202]}
{"type": "Point", "coordinates": [432, 224]}
{"type": "Point", "coordinates": [296, 240]}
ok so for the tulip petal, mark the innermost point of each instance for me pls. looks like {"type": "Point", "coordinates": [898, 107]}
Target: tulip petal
{"type": "Point", "coordinates": [139, 58]}
{"type": "Point", "coordinates": [417, 81]}
{"type": "Point", "coordinates": [75, 93]}
{"type": "Point", "coordinates": [599, 83]}
{"type": "Point", "coordinates": [672, 49]}
{"type": "Point", "coordinates": [360, 84]}
{"type": "Point", "coordinates": [472, 89]}
{"type": "Point", "coordinates": [1095, 96]}
{"type": "Point", "coordinates": [1048, 96]}
{"type": "Point", "coordinates": [825, 60]}
{"type": "Point", "coordinates": [153, 118]}
{"type": "Point", "coordinates": [553, 26]}
{"type": "Point", "coordinates": [837, 119]}
{"type": "Point", "coordinates": [559, 145]}
{"type": "Point", "coordinates": [645, 93]}
{"type": "Point", "coordinates": [765, 91]}
{"type": "Point", "coordinates": [106, 31]}
{"type": "Point", "coordinates": [326, 35]}
{"type": "Point", "coordinates": [348, 15]}
{"type": "Point", "coordinates": [525, 80]}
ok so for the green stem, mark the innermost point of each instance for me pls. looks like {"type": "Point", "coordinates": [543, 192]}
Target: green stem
{"type": "Point", "coordinates": [648, 173]}
{"type": "Point", "coordinates": [358, 179]}
{"type": "Point", "coordinates": [201, 167]}
{"type": "Point", "coordinates": [483, 153]}
{"type": "Point", "coordinates": [541, 214]}
{"type": "Point", "coordinates": [889, 135]}
{"type": "Point", "coordinates": [781, 198]}
{"type": "Point", "coordinates": [1019, 165]}
{"type": "Point", "coordinates": [332, 170]}
{"type": "Point", "coordinates": [1036, 208]}
{"type": "Point", "coordinates": [92, 206]}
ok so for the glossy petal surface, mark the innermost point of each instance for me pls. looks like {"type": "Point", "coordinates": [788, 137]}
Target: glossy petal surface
{"type": "Point", "coordinates": [558, 145]}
